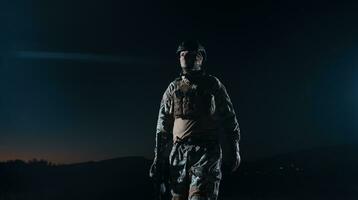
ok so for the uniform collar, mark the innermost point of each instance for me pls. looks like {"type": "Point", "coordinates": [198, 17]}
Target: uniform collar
{"type": "Point", "coordinates": [192, 75]}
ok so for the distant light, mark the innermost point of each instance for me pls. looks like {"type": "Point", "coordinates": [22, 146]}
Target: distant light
{"type": "Point", "coordinates": [88, 57]}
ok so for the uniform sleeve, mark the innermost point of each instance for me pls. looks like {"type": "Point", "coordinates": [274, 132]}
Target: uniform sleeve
{"type": "Point", "coordinates": [225, 112]}
{"type": "Point", "coordinates": [164, 123]}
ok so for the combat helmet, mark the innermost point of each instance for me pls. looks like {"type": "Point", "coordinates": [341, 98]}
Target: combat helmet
{"type": "Point", "coordinates": [192, 45]}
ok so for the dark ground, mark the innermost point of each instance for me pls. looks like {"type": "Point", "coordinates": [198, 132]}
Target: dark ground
{"type": "Point", "coordinates": [325, 173]}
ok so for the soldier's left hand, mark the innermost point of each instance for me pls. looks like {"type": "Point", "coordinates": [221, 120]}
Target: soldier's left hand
{"type": "Point", "coordinates": [236, 162]}
{"type": "Point", "coordinates": [236, 158]}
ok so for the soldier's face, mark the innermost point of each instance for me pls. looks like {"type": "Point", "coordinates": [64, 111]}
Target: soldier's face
{"type": "Point", "coordinates": [190, 60]}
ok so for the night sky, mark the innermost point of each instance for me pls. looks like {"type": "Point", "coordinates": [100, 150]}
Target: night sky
{"type": "Point", "coordinates": [82, 80]}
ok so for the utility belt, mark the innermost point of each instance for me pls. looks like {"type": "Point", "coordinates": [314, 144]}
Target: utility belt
{"type": "Point", "coordinates": [202, 141]}
{"type": "Point", "coordinates": [197, 140]}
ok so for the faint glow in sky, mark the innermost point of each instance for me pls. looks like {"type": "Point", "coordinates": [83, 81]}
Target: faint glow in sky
{"type": "Point", "coordinates": [86, 57]}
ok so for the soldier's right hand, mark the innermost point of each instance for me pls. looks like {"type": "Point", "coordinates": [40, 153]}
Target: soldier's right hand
{"type": "Point", "coordinates": [156, 170]}
{"type": "Point", "coordinates": [153, 171]}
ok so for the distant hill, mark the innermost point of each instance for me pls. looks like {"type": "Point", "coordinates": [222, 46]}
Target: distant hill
{"type": "Point", "coordinates": [321, 173]}
{"type": "Point", "coordinates": [108, 179]}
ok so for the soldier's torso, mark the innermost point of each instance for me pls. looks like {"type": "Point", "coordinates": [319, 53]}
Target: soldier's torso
{"type": "Point", "coordinates": [193, 97]}
{"type": "Point", "coordinates": [193, 105]}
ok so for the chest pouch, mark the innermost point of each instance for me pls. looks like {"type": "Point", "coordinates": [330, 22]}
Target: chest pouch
{"type": "Point", "coordinates": [192, 103]}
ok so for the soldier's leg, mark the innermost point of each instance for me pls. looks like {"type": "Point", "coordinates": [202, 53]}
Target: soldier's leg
{"type": "Point", "coordinates": [206, 174]}
{"type": "Point", "coordinates": [179, 181]}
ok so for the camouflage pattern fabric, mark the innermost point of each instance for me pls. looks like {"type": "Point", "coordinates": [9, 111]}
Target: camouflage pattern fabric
{"type": "Point", "coordinates": [195, 170]}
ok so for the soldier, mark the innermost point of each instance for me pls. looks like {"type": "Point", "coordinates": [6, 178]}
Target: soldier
{"type": "Point", "coordinates": [194, 111]}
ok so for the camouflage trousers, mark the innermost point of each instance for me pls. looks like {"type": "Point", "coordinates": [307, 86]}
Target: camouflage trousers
{"type": "Point", "coordinates": [195, 170]}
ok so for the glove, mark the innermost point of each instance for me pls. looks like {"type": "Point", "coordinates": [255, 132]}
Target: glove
{"type": "Point", "coordinates": [158, 170]}
{"type": "Point", "coordinates": [160, 180]}
{"type": "Point", "coordinates": [235, 158]}
{"type": "Point", "coordinates": [153, 172]}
